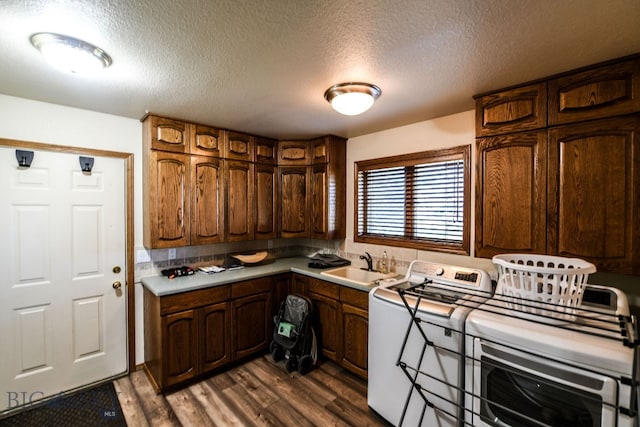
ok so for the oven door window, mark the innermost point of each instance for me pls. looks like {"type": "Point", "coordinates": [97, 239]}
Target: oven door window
{"type": "Point", "coordinates": [515, 398]}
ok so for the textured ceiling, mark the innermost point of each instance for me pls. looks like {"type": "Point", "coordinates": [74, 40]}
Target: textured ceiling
{"type": "Point", "coordinates": [263, 66]}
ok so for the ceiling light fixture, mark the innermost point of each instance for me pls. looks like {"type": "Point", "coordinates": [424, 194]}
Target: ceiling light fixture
{"type": "Point", "coordinates": [69, 54]}
{"type": "Point", "coordinates": [352, 98]}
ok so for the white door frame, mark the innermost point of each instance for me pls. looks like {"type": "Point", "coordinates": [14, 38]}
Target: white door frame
{"type": "Point", "coordinates": [129, 234]}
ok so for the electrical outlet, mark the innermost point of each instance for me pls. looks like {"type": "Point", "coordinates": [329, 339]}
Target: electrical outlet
{"type": "Point", "coordinates": [142, 256]}
{"type": "Point", "coordinates": [172, 253]}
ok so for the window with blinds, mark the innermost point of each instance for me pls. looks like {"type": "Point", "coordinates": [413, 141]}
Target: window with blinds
{"type": "Point", "coordinates": [417, 200]}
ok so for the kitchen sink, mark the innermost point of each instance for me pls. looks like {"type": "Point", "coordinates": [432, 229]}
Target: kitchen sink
{"type": "Point", "coordinates": [357, 275]}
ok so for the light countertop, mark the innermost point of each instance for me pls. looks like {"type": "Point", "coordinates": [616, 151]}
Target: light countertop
{"type": "Point", "coordinates": [161, 286]}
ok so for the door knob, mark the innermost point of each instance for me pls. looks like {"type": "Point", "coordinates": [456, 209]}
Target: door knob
{"type": "Point", "coordinates": [116, 285]}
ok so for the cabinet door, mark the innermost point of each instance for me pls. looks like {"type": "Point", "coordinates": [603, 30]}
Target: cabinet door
{"type": "Point", "coordinates": [511, 194]}
{"type": "Point", "coordinates": [293, 202]}
{"type": "Point", "coordinates": [252, 324]}
{"type": "Point", "coordinates": [206, 141]}
{"type": "Point", "coordinates": [594, 182]}
{"type": "Point", "coordinates": [299, 284]}
{"type": "Point", "coordinates": [266, 196]}
{"type": "Point", "coordinates": [215, 345]}
{"type": "Point", "coordinates": [606, 91]}
{"type": "Point", "coordinates": [513, 110]}
{"type": "Point", "coordinates": [280, 288]}
{"type": "Point", "coordinates": [326, 324]}
{"type": "Point", "coordinates": [166, 200]}
{"type": "Point", "coordinates": [164, 134]}
{"type": "Point", "coordinates": [319, 202]}
{"type": "Point", "coordinates": [266, 150]}
{"type": "Point", "coordinates": [355, 339]}
{"type": "Point", "coordinates": [181, 347]}
{"type": "Point", "coordinates": [292, 153]}
{"type": "Point", "coordinates": [320, 150]}
{"type": "Point", "coordinates": [239, 146]}
{"type": "Point", "coordinates": [240, 183]}
{"type": "Point", "coordinates": [207, 209]}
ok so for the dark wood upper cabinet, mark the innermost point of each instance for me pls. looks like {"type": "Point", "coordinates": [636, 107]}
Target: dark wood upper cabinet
{"type": "Point", "coordinates": [266, 150]}
{"type": "Point", "coordinates": [512, 110]}
{"type": "Point", "coordinates": [294, 153]}
{"type": "Point", "coordinates": [239, 146]}
{"type": "Point", "coordinates": [571, 187]}
{"type": "Point", "coordinates": [205, 185]}
{"type": "Point", "coordinates": [511, 194]}
{"type": "Point", "coordinates": [266, 202]}
{"type": "Point", "coordinates": [207, 141]}
{"type": "Point", "coordinates": [166, 204]}
{"type": "Point", "coordinates": [293, 201]}
{"type": "Point", "coordinates": [160, 133]}
{"type": "Point", "coordinates": [328, 198]}
{"type": "Point", "coordinates": [240, 185]}
{"type": "Point", "coordinates": [606, 91]}
{"type": "Point", "coordinates": [594, 182]}
{"type": "Point", "coordinates": [207, 208]}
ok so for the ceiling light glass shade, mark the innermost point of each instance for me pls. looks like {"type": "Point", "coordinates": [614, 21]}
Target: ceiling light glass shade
{"type": "Point", "coordinates": [70, 55]}
{"type": "Point", "coordinates": [352, 98]}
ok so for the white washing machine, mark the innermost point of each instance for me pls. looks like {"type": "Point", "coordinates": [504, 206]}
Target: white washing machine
{"type": "Point", "coordinates": [416, 372]}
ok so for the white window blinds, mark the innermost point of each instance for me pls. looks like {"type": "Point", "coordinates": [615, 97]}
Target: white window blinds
{"type": "Point", "coordinates": [418, 198]}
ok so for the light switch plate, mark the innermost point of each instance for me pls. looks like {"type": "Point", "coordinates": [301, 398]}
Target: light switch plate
{"type": "Point", "coordinates": [172, 253]}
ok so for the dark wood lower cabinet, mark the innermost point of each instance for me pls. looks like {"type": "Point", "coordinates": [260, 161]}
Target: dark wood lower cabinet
{"type": "Point", "coordinates": [326, 324]}
{"type": "Point", "coordinates": [341, 322]}
{"type": "Point", "coordinates": [180, 353]}
{"type": "Point", "coordinates": [251, 329]}
{"type": "Point", "coordinates": [190, 334]}
{"type": "Point", "coordinates": [193, 333]}
{"type": "Point", "coordinates": [355, 330]}
{"type": "Point", "coordinates": [216, 336]}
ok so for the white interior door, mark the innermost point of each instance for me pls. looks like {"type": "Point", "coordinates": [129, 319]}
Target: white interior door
{"type": "Point", "coordinates": [62, 246]}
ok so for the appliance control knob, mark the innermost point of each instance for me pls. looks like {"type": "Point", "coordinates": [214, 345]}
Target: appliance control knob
{"type": "Point", "coordinates": [439, 271]}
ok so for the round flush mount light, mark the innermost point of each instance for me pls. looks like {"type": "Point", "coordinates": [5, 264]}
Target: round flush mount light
{"type": "Point", "coordinates": [69, 54]}
{"type": "Point", "coordinates": [352, 98]}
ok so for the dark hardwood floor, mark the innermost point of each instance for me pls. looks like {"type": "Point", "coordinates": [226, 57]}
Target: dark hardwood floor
{"type": "Point", "coordinates": [257, 393]}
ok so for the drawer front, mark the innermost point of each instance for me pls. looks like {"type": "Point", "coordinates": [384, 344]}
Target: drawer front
{"type": "Point", "coordinates": [354, 297]}
{"type": "Point", "coordinates": [321, 287]}
{"type": "Point", "coordinates": [188, 300]}
{"type": "Point", "coordinates": [250, 287]}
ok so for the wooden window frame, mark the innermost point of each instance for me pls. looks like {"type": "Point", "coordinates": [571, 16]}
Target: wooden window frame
{"type": "Point", "coordinates": [463, 153]}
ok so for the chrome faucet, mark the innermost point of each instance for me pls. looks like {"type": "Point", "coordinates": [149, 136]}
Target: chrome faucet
{"type": "Point", "coordinates": [367, 257]}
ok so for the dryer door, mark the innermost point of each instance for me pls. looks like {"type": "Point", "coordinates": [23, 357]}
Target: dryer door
{"type": "Point", "coordinates": [520, 389]}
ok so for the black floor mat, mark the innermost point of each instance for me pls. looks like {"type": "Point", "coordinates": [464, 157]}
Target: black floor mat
{"type": "Point", "coordinates": [97, 406]}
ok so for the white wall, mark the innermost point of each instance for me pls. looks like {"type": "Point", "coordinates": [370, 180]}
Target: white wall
{"type": "Point", "coordinates": [444, 132]}
{"type": "Point", "coordinates": [23, 119]}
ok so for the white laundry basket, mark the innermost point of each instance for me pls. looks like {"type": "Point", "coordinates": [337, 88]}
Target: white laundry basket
{"type": "Point", "coordinates": [542, 284]}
